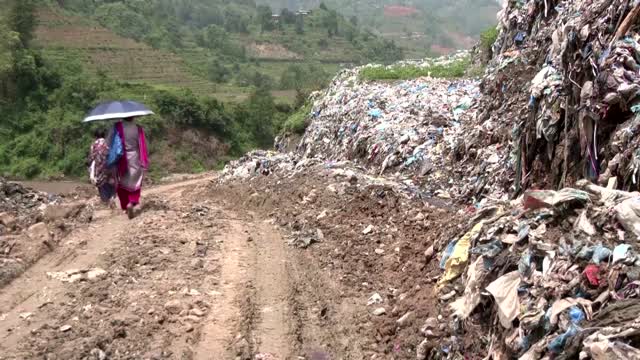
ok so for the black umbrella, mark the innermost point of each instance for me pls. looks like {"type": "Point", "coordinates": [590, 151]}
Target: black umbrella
{"type": "Point", "coordinates": [117, 110]}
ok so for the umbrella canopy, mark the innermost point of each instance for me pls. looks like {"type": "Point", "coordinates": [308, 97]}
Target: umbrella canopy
{"type": "Point", "coordinates": [117, 110]}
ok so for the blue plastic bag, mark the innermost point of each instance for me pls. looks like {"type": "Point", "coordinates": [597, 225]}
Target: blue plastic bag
{"type": "Point", "coordinates": [115, 150]}
{"type": "Point", "coordinates": [376, 113]}
{"type": "Point", "coordinates": [558, 343]}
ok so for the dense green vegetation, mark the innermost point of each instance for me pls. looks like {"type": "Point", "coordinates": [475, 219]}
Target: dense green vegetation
{"type": "Point", "coordinates": [487, 38]}
{"type": "Point", "coordinates": [453, 69]}
{"type": "Point", "coordinates": [297, 122]}
{"type": "Point", "coordinates": [43, 103]}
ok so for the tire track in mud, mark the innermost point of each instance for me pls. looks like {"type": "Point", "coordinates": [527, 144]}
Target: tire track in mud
{"type": "Point", "coordinates": [254, 315]}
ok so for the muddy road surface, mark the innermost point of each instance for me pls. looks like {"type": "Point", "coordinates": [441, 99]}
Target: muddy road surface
{"type": "Point", "coordinates": [186, 279]}
{"type": "Point", "coordinates": [210, 271]}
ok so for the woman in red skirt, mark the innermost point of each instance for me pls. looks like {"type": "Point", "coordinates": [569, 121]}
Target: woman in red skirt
{"type": "Point", "coordinates": [132, 165]}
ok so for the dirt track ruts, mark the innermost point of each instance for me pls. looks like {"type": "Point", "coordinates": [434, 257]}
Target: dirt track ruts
{"type": "Point", "coordinates": [228, 273]}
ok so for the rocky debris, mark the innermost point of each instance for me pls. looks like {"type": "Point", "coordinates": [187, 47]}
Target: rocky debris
{"type": "Point", "coordinates": [188, 327]}
{"type": "Point", "coordinates": [197, 263]}
{"type": "Point", "coordinates": [25, 315]}
{"type": "Point", "coordinates": [405, 319]}
{"type": "Point", "coordinates": [7, 221]}
{"type": "Point", "coordinates": [265, 356]}
{"type": "Point", "coordinates": [40, 232]}
{"type": "Point", "coordinates": [304, 238]}
{"type": "Point", "coordinates": [379, 311]}
{"type": "Point", "coordinates": [27, 230]}
{"type": "Point", "coordinates": [65, 328]}
{"type": "Point", "coordinates": [242, 348]}
{"type": "Point", "coordinates": [174, 307]}
{"type": "Point", "coordinates": [349, 254]}
{"type": "Point", "coordinates": [97, 354]}
{"type": "Point", "coordinates": [71, 276]}
{"type": "Point", "coordinates": [56, 212]}
{"type": "Point", "coordinates": [196, 312]}
{"type": "Point", "coordinates": [17, 199]}
{"type": "Point", "coordinates": [375, 299]}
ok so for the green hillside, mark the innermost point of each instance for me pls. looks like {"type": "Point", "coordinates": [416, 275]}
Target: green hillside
{"type": "Point", "coordinates": [218, 47]}
{"type": "Point", "coordinates": [46, 88]}
{"type": "Point", "coordinates": [435, 27]}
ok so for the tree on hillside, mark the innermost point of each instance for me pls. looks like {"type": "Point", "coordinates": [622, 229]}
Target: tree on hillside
{"type": "Point", "coordinates": [265, 18]}
{"type": "Point", "coordinates": [218, 73]}
{"type": "Point", "coordinates": [300, 25]}
{"type": "Point", "coordinates": [123, 20]}
{"type": "Point", "coordinates": [235, 21]}
{"type": "Point", "coordinates": [22, 70]}
{"type": "Point", "coordinates": [261, 109]}
{"type": "Point", "coordinates": [330, 22]}
{"type": "Point", "coordinates": [288, 17]}
{"type": "Point", "coordinates": [9, 40]}
{"type": "Point", "coordinates": [22, 19]}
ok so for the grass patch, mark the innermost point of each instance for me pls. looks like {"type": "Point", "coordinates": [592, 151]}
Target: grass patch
{"type": "Point", "coordinates": [455, 69]}
{"type": "Point", "coordinates": [488, 37]}
{"type": "Point", "coordinates": [297, 123]}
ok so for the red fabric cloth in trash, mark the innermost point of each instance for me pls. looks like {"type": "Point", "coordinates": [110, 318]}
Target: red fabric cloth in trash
{"type": "Point", "coordinates": [592, 272]}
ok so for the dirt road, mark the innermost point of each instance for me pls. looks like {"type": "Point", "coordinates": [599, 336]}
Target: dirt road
{"type": "Point", "coordinates": [184, 280]}
{"type": "Point", "coordinates": [206, 272]}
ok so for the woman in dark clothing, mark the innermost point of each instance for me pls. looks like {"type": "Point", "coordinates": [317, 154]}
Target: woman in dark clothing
{"type": "Point", "coordinates": [101, 176]}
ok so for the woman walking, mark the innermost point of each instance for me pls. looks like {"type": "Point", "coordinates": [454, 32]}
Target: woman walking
{"type": "Point", "coordinates": [100, 174]}
{"type": "Point", "coordinates": [132, 164]}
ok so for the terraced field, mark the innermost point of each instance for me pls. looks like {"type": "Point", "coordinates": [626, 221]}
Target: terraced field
{"type": "Point", "coordinates": [62, 36]}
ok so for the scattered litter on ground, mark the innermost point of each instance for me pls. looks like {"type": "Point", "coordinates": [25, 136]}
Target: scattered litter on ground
{"type": "Point", "coordinates": [72, 276]}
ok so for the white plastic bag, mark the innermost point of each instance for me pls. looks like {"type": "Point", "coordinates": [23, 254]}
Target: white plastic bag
{"type": "Point", "coordinates": [92, 172]}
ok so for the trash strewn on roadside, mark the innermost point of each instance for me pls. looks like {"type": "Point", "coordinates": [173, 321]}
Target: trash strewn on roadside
{"type": "Point", "coordinates": [545, 269]}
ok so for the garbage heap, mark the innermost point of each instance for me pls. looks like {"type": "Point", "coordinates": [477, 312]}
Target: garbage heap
{"type": "Point", "coordinates": [18, 205]}
{"type": "Point", "coordinates": [554, 273]}
{"type": "Point", "coordinates": [562, 88]}
{"type": "Point", "coordinates": [409, 129]}
{"type": "Point", "coordinates": [258, 162]}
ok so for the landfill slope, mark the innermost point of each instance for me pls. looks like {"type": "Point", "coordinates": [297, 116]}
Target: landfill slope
{"type": "Point", "coordinates": [537, 165]}
{"type": "Point", "coordinates": [409, 130]}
